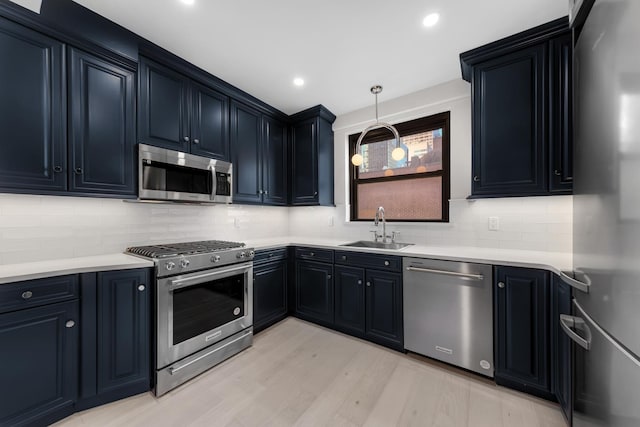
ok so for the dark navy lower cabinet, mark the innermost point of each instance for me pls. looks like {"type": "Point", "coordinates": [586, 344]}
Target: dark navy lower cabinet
{"type": "Point", "coordinates": [562, 348]}
{"type": "Point", "coordinates": [39, 359]}
{"type": "Point", "coordinates": [32, 111]}
{"type": "Point", "coordinates": [349, 299]}
{"type": "Point", "coordinates": [102, 126]}
{"type": "Point", "coordinates": [269, 292]}
{"type": "Point", "coordinates": [314, 291]}
{"type": "Point", "coordinates": [383, 308]}
{"type": "Point", "coordinates": [115, 353]}
{"type": "Point", "coordinates": [522, 330]}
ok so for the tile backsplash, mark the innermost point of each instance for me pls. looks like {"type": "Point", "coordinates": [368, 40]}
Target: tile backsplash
{"type": "Point", "coordinates": [34, 228]}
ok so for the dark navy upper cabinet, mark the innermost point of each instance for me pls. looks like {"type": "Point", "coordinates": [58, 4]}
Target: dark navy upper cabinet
{"type": "Point", "coordinates": [259, 157]}
{"type": "Point", "coordinates": [102, 126]}
{"type": "Point", "coordinates": [116, 310]}
{"type": "Point", "coordinates": [246, 148]}
{"type": "Point", "coordinates": [522, 331]}
{"type": "Point", "coordinates": [180, 114]}
{"type": "Point", "coordinates": [561, 115]}
{"type": "Point", "coordinates": [349, 299]}
{"type": "Point", "coordinates": [163, 115]}
{"type": "Point", "coordinates": [521, 119]}
{"type": "Point", "coordinates": [312, 157]}
{"type": "Point", "coordinates": [39, 356]}
{"type": "Point", "coordinates": [274, 162]}
{"type": "Point", "coordinates": [509, 124]}
{"type": "Point", "coordinates": [32, 111]}
{"type": "Point", "coordinates": [383, 310]}
{"type": "Point", "coordinates": [209, 123]}
{"type": "Point", "coordinates": [314, 291]}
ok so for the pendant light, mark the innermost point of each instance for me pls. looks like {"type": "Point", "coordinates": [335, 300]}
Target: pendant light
{"type": "Point", "coordinates": [397, 153]}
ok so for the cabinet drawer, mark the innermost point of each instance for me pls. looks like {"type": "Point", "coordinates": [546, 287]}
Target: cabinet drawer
{"type": "Point", "coordinates": [270, 255]}
{"type": "Point", "coordinates": [379, 262]}
{"type": "Point", "coordinates": [33, 293]}
{"type": "Point", "coordinates": [315, 254]}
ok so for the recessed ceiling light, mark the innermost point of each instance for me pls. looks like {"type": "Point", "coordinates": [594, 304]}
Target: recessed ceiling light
{"type": "Point", "coordinates": [189, 2]}
{"type": "Point", "coordinates": [431, 19]}
{"type": "Point", "coordinates": [298, 81]}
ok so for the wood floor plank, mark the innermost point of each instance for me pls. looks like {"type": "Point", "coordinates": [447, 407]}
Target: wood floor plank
{"type": "Point", "coordinates": [299, 374]}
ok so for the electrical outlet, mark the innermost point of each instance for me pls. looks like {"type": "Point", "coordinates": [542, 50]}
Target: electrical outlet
{"type": "Point", "coordinates": [494, 223]}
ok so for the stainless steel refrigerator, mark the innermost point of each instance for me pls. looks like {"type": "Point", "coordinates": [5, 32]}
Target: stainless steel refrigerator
{"type": "Point", "coordinates": [606, 320]}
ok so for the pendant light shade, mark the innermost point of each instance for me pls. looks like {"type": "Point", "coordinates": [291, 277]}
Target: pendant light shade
{"type": "Point", "coordinates": [397, 153]}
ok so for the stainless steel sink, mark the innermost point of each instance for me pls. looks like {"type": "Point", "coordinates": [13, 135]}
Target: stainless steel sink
{"type": "Point", "coordinates": [377, 245]}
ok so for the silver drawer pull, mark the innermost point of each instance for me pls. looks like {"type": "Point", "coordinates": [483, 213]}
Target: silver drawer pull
{"type": "Point", "coordinates": [568, 323]}
{"type": "Point", "coordinates": [446, 273]}
{"type": "Point", "coordinates": [386, 263]}
{"type": "Point", "coordinates": [27, 294]}
{"type": "Point", "coordinates": [580, 285]}
{"type": "Point", "coordinates": [141, 288]}
{"type": "Point", "coordinates": [70, 324]}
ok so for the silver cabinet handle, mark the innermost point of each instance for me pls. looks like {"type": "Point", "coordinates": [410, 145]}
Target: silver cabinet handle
{"type": "Point", "coordinates": [501, 285]}
{"type": "Point", "coordinates": [386, 263]}
{"type": "Point", "coordinates": [359, 282]}
{"type": "Point", "coordinates": [70, 324]}
{"type": "Point", "coordinates": [141, 288]}
{"type": "Point", "coordinates": [315, 193]}
{"type": "Point", "coordinates": [476, 178]}
{"type": "Point", "coordinates": [312, 254]}
{"type": "Point", "coordinates": [57, 169]}
{"type": "Point", "coordinates": [581, 286]}
{"type": "Point", "coordinates": [266, 193]}
{"type": "Point", "coordinates": [328, 277]}
{"type": "Point", "coordinates": [568, 323]}
{"type": "Point", "coordinates": [78, 171]}
{"type": "Point", "coordinates": [27, 294]}
{"type": "Point", "coordinates": [446, 273]}
{"type": "Point", "coordinates": [260, 191]}
{"type": "Point", "coordinates": [557, 172]}
{"type": "Point", "coordinates": [344, 257]}
{"type": "Point", "coordinates": [196, 141]}
{"type": "Point", "coordinates": [368, 283]}
{"type": "Point", "coordinates": [186, 139]}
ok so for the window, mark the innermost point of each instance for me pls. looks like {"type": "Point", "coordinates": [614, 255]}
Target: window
{"type": "Point", "coordinates": [415, 188]}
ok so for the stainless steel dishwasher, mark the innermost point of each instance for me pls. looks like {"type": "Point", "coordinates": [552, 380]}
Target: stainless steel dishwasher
{"type": "Point", "coordinates": [448, 312]}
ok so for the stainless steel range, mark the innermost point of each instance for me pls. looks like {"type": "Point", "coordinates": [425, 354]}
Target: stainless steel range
{"type": "Point", "coordinates": [204, 313]}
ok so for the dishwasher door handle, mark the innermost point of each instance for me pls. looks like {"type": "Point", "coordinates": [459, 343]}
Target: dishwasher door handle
{"type": "Point", "coordinates": [446, 273]}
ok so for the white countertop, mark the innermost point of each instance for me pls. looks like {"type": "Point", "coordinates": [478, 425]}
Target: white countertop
{"type": "Point", "coordinates": [36, 270]}
{"type": "Point", "coordinates": [556, 262]}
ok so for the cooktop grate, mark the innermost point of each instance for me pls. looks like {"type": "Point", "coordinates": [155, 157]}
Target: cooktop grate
{"type": "Point", "coordinates": [186, 248]}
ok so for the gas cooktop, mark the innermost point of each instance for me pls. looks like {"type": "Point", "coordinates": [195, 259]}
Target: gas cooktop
{"type": "Point", "coordinates": [186, 248]}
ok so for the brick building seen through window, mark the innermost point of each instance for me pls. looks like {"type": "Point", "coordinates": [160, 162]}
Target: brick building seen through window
{"type": "Point", "coordinates": [415, 188]}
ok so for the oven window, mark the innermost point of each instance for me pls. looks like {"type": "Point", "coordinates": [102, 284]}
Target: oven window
{"type": "Point", "coordinates": [180, 179]}
{"type": "Point", "coordinates": [206, 306]}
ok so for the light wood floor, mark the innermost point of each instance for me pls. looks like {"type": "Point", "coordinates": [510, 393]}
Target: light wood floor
{"type": "Point", "coordinates": [299, 374]}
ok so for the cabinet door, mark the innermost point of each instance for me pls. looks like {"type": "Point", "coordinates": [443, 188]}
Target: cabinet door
{"type": "Point", "coordinates": [163, 116]}
{"type": "Point", "coordinates": [210, 123]}
{"type": "Point", "coordinates": [32, 111]}
{"type": "Point", "coordinates": [274, 163]}
{"type": "Point", "coordinates": [521, 315]}
{"type": "Point", "coordinates": [102, 126]}
{"type": "Point", "coordinates": [304, 150]}
{"type": "Point", "coordinates": [561, 115]}
{"type": "Point", "coordinates": [509, 124]}
{"type": "Point", "coordinates": [384, 308]}
{"type": "Point", "coordinates": [563, 357]}
{"type": "Point", "coordinates": [269, 294]}
{"type": "Point", "coordinates": [349, 299]}
{"type": "Point", "coordinates": [39, 356]}
{"type": "Point", "coordinates": [246, 147]}
{"type": "Point", "coordinates": [314, 291]}
{"type": "Point", "coordinates": [123, 332]}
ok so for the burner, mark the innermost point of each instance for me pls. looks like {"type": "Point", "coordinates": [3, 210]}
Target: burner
{"type": "Point", "coordinates": [187, 248]}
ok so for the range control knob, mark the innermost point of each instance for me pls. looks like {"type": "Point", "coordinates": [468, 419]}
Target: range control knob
{"type": "Point", "coordinates": [215, 258]}
{"type": "Point", "coordinates": [241, 255]}
{"type": "Point", "coordinates": [170, 265]}
{"type": "Point", "coordinates": [184, 263]}
{"type": "Point", "coordinates": [251, 254]}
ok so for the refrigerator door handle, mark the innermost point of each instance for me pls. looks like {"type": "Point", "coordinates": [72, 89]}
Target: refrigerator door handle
{"type": "Point", "coordinates": [568, 323]}
{"type": "Point", "coordinates": [583, 286]}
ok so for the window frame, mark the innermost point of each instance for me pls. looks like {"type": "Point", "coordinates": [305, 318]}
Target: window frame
{"type": "Point", "coordinates": [411, 127]}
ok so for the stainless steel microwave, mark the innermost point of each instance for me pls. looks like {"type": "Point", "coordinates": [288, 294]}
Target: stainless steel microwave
{"type": "Point", "coordinates": [175, 176]}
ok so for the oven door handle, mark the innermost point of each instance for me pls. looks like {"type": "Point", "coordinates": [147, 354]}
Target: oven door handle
{"type": "Point", "coordinates": [218, 272]}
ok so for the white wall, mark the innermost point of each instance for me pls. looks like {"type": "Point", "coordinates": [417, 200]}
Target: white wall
{"type": "Point", "coordinates": [533, 223]}
{"type": "Point", "coordinates": [34, 228]}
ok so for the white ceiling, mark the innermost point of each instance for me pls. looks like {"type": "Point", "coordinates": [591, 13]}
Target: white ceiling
{"type": "Point", "coordinates": [339, 47]}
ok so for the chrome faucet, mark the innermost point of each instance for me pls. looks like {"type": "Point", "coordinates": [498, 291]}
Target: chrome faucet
{"type": "Point", "coordinates": [380, 217]}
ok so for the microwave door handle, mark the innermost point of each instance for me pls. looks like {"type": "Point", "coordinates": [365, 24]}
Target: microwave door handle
{"type": "Point", "coordinates": [214, 183]}
{"type": "Point", "coordinates": [218, 273]}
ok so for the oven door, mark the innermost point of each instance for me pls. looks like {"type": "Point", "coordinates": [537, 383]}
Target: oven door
{"type": "Point", "coordinates": [199, 309]}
